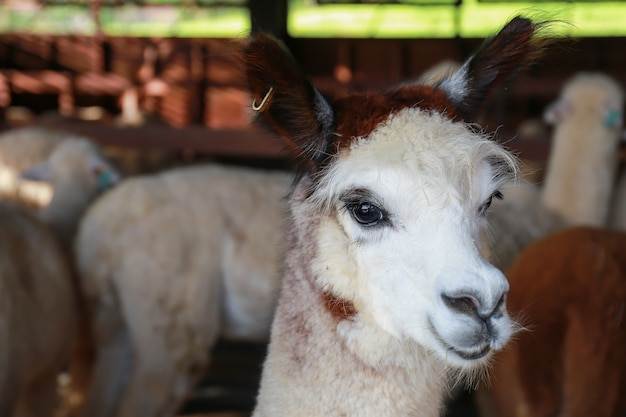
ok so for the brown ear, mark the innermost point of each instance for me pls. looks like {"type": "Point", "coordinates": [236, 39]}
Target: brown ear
{"type": "Point", "coordinates": [287, 100]}
{"type": "Point", "coordinates": [498, 59]}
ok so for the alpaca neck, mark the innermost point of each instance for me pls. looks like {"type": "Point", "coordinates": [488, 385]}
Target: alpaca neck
{"type": "Point", "coordinates": [318, 362]}
{"type": "Point", "coordinates": [64, 212]}
{"type": "Point", "coordinates": [579, 181]}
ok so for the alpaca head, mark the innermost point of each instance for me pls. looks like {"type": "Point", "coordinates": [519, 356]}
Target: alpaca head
{"type": "Point", "coordinates": [78, 165]}
{"type": "Point", "coordinates": [397, 185]}
{"type": "Point", "coordinates": [595, 98]}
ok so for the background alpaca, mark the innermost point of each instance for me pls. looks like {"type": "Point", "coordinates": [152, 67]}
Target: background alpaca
{"type": "Point", "coordinates": [580, 172]}
{"type": "Point", "coordinates": [589, 121]}
{"type": "Point", "coordinates": [369, 317]}
{"type": "Point", "coordinates": [617, 216]}
{"type": "Point", "coordinates": [37, 311]}
{"type": "Point", "coordinates": [67, 173]}
{"type": "Point", "coordinates": [439, 72]}
{"type": "Point", "coordinates": [57, 174]}
{"type": "Point", "coordinates": [569, 290]}
{"type": "Point", "coordinates": [78, 172]}
{"type": "Point", "coordinates": [169, 262]}
{"type": "Point", "coordinates": [20, 149]}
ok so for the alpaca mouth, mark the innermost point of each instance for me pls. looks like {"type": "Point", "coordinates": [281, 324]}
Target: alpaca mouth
{"type": "Point", "coordinates": [469, 354]}
{"type": "Point", "coordinates": [473, 354]}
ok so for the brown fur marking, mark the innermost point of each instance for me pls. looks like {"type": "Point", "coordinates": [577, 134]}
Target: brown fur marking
{"type": "Point", "coordinates": [358, 115]}
{"type": "Point", "coordinates": [339, 308]}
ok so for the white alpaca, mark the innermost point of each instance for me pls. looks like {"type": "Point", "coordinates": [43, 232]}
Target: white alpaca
{"type": "Point", "coordinates": [580, 171]}
{"type": "Point", "coordinates": [168, 262]}
{"type": "Point", "coordinates": [78, 172]}
{"type": "Point", "coordinates": [20, 149]}
{"type": "Point", "coordinates": [577, 191]}
{"type": "Point", "coordinates": [589, 119]}
{"type": "Point", "coordinates": [56, 173]}
{"type": "Point", "coordinates": [37, 315]}
{"type": "Point", "coordinates": [439, 72]}
{"type": "Point", "coordinates": [384, 288]}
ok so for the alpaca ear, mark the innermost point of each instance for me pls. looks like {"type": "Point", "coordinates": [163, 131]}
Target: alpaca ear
{"type": "Point", "coordinates": [103, 174]}
{"type": "Point", "coordinates": [497, 60]}
{"type": "Point", "coordinates": [557, 112]}
{"type": "Point", "coordinates": [287, 100]}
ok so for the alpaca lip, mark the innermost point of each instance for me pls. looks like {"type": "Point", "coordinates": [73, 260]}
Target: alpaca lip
{"type": "Point", "coordinates": [468, 355]}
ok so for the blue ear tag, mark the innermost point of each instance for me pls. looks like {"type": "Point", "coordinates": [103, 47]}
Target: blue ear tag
{"type": "Point", "coordinates": [104, 180]}
{"type": "Point", "coordinates": [613, 118]}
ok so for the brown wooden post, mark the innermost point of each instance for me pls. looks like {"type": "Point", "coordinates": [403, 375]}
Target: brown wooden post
{"type": "Point", "coordinates": [94, 6]}
{"type": "Point", "coordinates": [269, 16]}
{"type": "Point", "coordinates": [5, 91]}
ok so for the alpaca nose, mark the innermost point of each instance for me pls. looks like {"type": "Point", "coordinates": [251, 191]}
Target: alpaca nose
{"type": "Point", "coordinates": [471, 304]}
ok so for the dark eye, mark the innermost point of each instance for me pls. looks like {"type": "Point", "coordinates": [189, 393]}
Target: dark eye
{"type": "Point", "coordinates": [365, 213]}
{"type": "Point", "coordinates": [483, 209]}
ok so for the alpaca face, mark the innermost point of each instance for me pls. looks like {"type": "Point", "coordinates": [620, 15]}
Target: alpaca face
{"type": "Point", "coordinates": [398, 238]}
{"type": "Point", "coordinates": [394, 190]}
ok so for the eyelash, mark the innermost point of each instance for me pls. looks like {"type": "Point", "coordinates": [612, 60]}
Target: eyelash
{"type": "Point", "coordinates": [482, 210]}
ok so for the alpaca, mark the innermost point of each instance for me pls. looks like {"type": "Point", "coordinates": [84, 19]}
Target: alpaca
{"type": "Point", "coordinates": [78, 172]}
{"type": "Point", "coordinates": [569, 289]}
{"type": "Point", "coordinates": [56, 174]}
{"type": "Point", "coordinates": [75, 171]}
{"type": "Point", "coordinates": [168, 262]}
{"type": "Point", "coordinates": [617, 216]}
{"type": "Point", "coordinates": [439, 72]}
{"type": "Point", "coordinates": [515, 222]}
{"type": "Point", "coordinates": [384, 289]}
{"type": "Point", "coordinates": [579, 174]}
{"type": "Point", "coordinates": [37, 315]}
{"type": "Point", "coordinates": [22, 148]}
{"type": "Point", "coordinates": [589, 120]}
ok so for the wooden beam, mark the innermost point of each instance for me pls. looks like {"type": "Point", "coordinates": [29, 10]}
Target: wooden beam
{"type": "Point", "coordinates": [269, 16]}
{"type": "Point", "coordinates": [244, 143]}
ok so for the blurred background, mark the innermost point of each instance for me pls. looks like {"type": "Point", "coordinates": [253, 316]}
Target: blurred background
{"type": "Point", "coordinates": [157, 83]}
{"type": "Point", "coordinates": [139, 63]}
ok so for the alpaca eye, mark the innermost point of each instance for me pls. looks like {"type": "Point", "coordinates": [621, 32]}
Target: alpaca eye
{"type": "Point", "coordinates": [483, 209]}
{"type": "Point", "coordinates": [366, 214]}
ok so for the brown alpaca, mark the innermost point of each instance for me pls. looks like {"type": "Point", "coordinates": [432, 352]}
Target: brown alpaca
{"type": "Point", "coordinates": [569, 289]}
{"type": "Point", "coordinates": [37, 315]}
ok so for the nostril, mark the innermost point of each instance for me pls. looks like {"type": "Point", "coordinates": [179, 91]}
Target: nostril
{"type": "Point", "coordinates": [464, 304]}
{"type": "Point", "coordinates": [500, 307]}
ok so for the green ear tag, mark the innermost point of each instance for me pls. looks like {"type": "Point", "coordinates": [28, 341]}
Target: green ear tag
{"type": "Point", "coordinates": [613, 118]}
{"type": "Point", "coordinates": [104, 180]}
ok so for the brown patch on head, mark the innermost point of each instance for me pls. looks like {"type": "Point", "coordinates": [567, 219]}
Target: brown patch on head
{"type": "Point", "coordinates": [339, 308]}
{"type": "Point", "coordinates": [358, 115]}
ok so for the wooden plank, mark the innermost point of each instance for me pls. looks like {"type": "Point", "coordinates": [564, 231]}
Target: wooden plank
{"type": "Point", "coordinates": [242, 143]}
